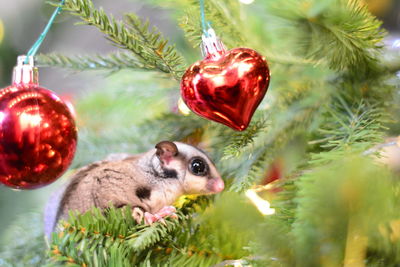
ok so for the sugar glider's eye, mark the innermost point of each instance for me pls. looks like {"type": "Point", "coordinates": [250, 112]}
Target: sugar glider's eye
{"type": "Point", "coordinates": [198, 167]}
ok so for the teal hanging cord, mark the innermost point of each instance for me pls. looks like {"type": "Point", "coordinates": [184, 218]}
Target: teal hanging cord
{"type": "Point", "coordinates": [203, 18]}
{"type": "Point", "coordinates": [36, 45]}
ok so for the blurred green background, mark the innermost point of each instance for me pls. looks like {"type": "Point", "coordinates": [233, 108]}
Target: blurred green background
{"type": "Point", "coordinates": [21, 22]}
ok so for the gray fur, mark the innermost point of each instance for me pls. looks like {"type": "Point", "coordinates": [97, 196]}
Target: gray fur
{"type": "Point", "coordinates": [146, 181]}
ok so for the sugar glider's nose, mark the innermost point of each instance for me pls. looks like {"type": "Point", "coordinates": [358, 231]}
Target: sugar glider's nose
{"type": "Point", "coordinates": [216, 185]}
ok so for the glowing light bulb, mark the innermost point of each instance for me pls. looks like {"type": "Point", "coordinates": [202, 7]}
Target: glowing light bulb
{"type": "Point", "coordinates": [396, 44]}
{"type": "Point", "coordinates": [261, 204]}
{"type": "Point", "coordinates": [183, 109]}
{"type": "Point", "coordinates": [246, 2]}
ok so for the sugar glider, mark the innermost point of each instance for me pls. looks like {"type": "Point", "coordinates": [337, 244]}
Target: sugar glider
{"type": "Point", "coordinates": [148, 182]}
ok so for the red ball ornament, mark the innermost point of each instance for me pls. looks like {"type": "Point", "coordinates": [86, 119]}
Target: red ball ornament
{"type": "Point", "coordinates": [226, 87]}
{"type": "Point", "coordinates": [38, 135]}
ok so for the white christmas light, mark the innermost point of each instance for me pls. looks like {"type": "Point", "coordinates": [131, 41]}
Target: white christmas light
{"type": "Point", "coordinates": [396, 44]}
{"type": "Point", "coordinates": [246, 2]}
{"type": "Point", "coordinates": [262, 205]}
{"type": "Point", "coordinates": [183, 109]}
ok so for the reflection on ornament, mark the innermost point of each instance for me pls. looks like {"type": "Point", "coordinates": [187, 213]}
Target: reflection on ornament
{"type": "Point", "coordinates": [2, 116]}
{"type": "Point", "coordinates": [27, 120]}
{"type": "Point", "coordinates": [183, 109]}
{"type": "Point", "coordinates": [261, 204]}
{"type": "Point", "coordinates": [67, 99]}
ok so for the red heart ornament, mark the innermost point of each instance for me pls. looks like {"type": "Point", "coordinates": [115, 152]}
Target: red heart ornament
{"type": "Point", "coordinates": [227, 89]}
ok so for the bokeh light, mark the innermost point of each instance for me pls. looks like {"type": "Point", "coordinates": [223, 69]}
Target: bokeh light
{"type": "Point", "coordinates": [1, 30]}
{"type": "Point", "coordinates": [378, 7]}
{"type": "Point", "coordinates": [246, 2]}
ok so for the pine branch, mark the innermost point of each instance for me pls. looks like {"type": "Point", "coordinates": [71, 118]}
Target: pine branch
{"type": "Point", "coordinates": [151, 235]}
{"type": "Point", "coordinates": [292, 116]}
{"type": "Point", "coordinates": [285, 203]}
{"type": "Point", "coordinates": [342, 33]}
{"type": "Point", "coordinates": [241, 140]}
{"type": "Point", "coordinates": [356, 125]}
{"type": "Point", "coordinates": [320, 215]}
{"type": "Point", "coordinates": [349, 128]}
{"type": "Point", "coordinates": [350, 124]}
{"type": "Point", "coordinates": [259, 162]}
{"type": "Point", "coordinates": [111, 62]}
{"type": "Point", "coordinates": [149, 47]}
{"type": "Point", "coordinates": [93, 237]}
{"type": "Point", "coordinates": [112, 238]}
{"type": "Point", "coordinates": [342, 208]}
{"type": "Point", "coordinates": [264, 154]}
{"type": "Point", "coordinates": [227, 20]}
{"type": "Point", "coordinates": [289, 59]}
{"type": "Point", "coordinates": [347, 124]}
{"type": "Point", "coordinates": [181, 258]}
{"type": "Point", "coordinates": [224, 17]}
{"type": "Point", "coordinates": [159, 46]}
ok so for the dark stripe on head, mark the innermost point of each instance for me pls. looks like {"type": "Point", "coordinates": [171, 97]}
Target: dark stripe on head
{"type": "Point", "coordinates": [170, 174]}
{"type": "Point", "coordinates": [166, 173]}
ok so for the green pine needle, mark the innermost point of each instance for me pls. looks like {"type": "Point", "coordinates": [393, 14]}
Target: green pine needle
{"type": "Point", "coordinates": [111, 62]}
{"type": "Point", "coordinates": [225, 18]}
{"type": "Point", "coordinates": [148, 46]}
{"type": "Point", "coordinates": [340, 32]}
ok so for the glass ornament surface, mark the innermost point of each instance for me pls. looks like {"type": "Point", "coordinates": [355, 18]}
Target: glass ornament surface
{"type": "Point", "coordinates": [38, 136]}
{"type": "Point", "coordinates": [226, 87]}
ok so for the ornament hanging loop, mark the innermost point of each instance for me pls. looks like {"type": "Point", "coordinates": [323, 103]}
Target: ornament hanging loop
{"type": "Point", "coordinates": [25, 71]}
{"type": "Point", "coordinates": [39, 41]}
{"type": "Point", "coordinates": [211, 47]}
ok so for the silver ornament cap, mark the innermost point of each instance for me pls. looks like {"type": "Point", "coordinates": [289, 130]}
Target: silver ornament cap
{"type": "Point", "coordinates": [25, 73]}
{"type": "Point", "coordinates": [211, 46]}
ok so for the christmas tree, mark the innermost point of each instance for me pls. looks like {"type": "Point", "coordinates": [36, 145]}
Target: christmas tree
{"type": "Point", "coordinates": [322, 127]}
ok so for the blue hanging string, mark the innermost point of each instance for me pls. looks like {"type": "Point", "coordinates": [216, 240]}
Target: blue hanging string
{"type": "Point", "coordinates": [203, 18]}
{"type": "Point", "coordinates": [39, 41]}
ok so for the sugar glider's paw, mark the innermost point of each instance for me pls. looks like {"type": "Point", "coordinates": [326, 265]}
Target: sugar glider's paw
{"type": "Point", "coordinates": [138, 214]}
{"type": "Point", "coordinates": [160, 215]}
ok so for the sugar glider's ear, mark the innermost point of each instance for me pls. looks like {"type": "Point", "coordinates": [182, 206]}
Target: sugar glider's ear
{"type": "Point", "coordinates": [166, 151]}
